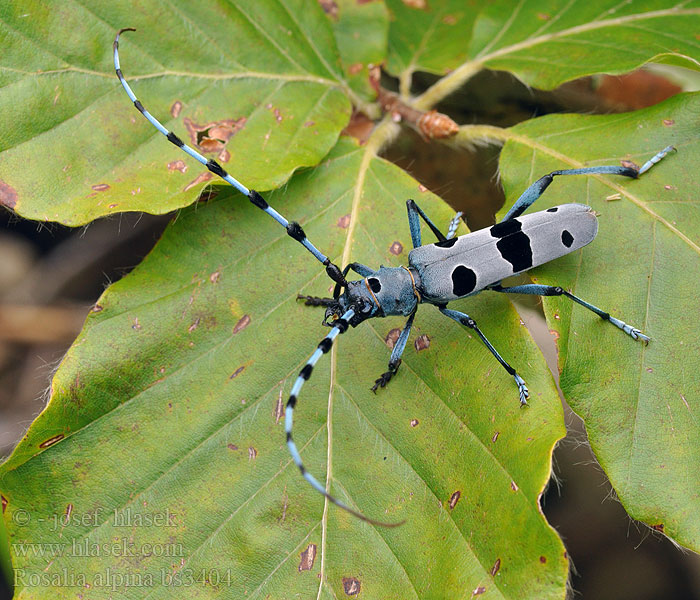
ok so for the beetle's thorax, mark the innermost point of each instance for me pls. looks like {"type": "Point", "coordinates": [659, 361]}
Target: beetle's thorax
{"type": "Point", "coordinates": [388, 291]}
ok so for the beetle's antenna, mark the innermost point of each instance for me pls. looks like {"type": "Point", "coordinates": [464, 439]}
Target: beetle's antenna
{"type": "Point", "coordinates": [339, 326]}
{"type": "Point", "coordinates": [293, 228]}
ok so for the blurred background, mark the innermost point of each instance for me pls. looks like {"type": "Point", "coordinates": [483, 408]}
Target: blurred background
{"type": "Point", "coordinates": [51, 275]}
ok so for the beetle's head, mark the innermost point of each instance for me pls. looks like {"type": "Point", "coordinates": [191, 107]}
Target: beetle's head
{"type": "Point", "coordinates": [358, 296]}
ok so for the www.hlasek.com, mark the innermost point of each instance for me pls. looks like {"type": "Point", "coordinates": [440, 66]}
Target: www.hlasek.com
{"type": "Point", "coordinates": [123, 547]}
{"type": "Point", "coordinates": [119, 580]}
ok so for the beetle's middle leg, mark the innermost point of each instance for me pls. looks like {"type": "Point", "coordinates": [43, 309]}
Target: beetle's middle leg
{"type": "Point", "coordinates": [551, 290]}
{"type": "Point", "coordinates": [396, 353]}
{"type": "Point", "coordinates": [467, 321]}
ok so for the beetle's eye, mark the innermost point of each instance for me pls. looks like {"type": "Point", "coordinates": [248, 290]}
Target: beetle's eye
{"type": "Point", "coordinates": [366, 307]}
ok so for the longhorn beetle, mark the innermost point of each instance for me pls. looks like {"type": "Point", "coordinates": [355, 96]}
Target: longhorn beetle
{"type": "Point", "coordinates": [451, 268]}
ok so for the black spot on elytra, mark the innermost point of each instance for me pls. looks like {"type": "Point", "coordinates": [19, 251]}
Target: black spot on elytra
{"type": "Point", "coordinates": [509, 227]}
{"type": "Point", "coordinates": [514, 245]}
{"type": "Point", "coordinates": [516, 250]}
{"type": "Point", "coordinates": [566, 238]}
{"type": "Point", "coordinates": [553, 209]}
{"type": "Point", "coordinates": [463, 281]}
{"type": "Point", "coordinates": [446, 243]}
{"type": "Point", "coordinates": [374, 285]}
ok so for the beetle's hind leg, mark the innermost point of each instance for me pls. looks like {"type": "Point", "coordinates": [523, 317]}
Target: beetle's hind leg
{"type": "Point", "coordinates": [537, 189]}
{"type": "Point", "coordinates": [467, 321]}
{"type": "Point", "coordinates": [550, 290]}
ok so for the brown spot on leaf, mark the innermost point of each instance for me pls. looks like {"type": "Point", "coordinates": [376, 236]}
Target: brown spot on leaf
{"type": "Point", "coordinates": [422, 342]}
{"type": "Point", "coordinates": [421, 188]}
{"type": "Point", "coordinates": [392, 337]}
{"type": "Point", "coordinates": [414, 422]}
{"type": "Point", "coordinates": [308, 557]}
{"type": "Point", "coordinates": [69, 510]}
{"type": "Point", "coordinates": [51, 441]}
{"type": "Point", "coordinates": [201, 178]}
{"type": "Point", "coordinates": [278, 115]}
{"type": "Point", "coordinates": [177, 165]}
{"type": "Point", "coordinates": [343, 222]}
{"type": "Point", "coordinates": [213, 136]}
{"type": "Point", "coordinates": [4, 502]}
{"type": "Point", "coordinates": [215, 276]}
{"type": "Point", "coordinates": [279, 408]}
{"type": "Point", "coordinates": [351, 586]}
{"type": "Point", "coordinates": [100, 187]}
{"type": "Point", "coordinates": [449, 20]}
{"type": "Point", "coordinates": [668, 122]}
{"type": "Point", "coordinates": [514, 486]}
{"type": "Point", "coordinates": [243, 322]}
{"type": "Point", "coordinates": [630, 164]}
{"type": "Point", "coordinates": [396, 248]}
{"type": "Point", "coordinates": [113, 205]}
{"type": "Point", "coordinates": [224, 156]}
{"type": "Point", "coordinates": [8, 195]}
{"type": "Point", "coordinates": [175, 109]}
{"type": "Point", "coordinates": [252, 453]}
{"type": "Point", "coordinates": [355, 68]}
{"type": "Point", "coordinates": [495, 436]}
{"type": "Point", "coordinates": [419, 4]}
{"type": "Point", "coordinates": [658, 527]}
{"type": "Point", "coordinates": [685, 402]}
{"type": "Point", "coordinates": [194, 325]}
{"type": "Point", "coordinates": [330, 8]}
{"type": "Point", "coordinates": [136, 325]}
{"type": "Point", "coordinates": [237, 372]}
{"type": "Point", "coordinates": [478, 591]}
{"type": "Point", "coordinates": [232, 446]}
{"type": "Point", "coordinates": [96, 308]}
{"type": "Point", "coordinates": [543, 559]}
{"type": "Point", "coordinates": [496, 567]}
{"type": "Point", "coordinates": [454, 498]}
{"type": "Point", "coordinates": [309, 123]}
{"type": "Point", "coordinates": [543, 16]}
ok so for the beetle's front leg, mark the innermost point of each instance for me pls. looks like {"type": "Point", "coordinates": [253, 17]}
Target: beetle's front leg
{"type": "Point", "coordinates": [396, 353]}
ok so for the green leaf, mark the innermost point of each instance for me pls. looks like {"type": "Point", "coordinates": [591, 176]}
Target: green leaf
{"type": "Point", "coordinates": [361, 30]}
{"type": "Point", "coordinates": [428, 36]}
{"type": "Point", "coordinates": [170, 402]}
{"type": "Point", "coordinates": [547, 43]}
{"type": "Point", "coordinates": [639, 402]}
{"type": "Point", "coordinates": [72, 146]}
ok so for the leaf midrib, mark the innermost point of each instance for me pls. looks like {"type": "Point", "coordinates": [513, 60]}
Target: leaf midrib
{"type": "Point", "coordinates": [586, 27]}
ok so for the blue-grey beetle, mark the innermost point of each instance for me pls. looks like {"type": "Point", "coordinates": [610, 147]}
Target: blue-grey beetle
{"type": "Point", "coordinates": [437, 273]}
